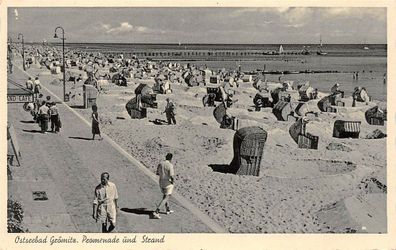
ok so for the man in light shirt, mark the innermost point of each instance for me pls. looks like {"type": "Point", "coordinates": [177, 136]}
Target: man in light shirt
{"type": "Point", "coordinates": [166, 183]}
{"type": "Point", "coordinates": [36, 86]}
{"type": "Point", "coordinates": [105, 203]}
{"type": "Point", "coordinates": [43, 114]}
{"type": "Point", "coordinates": [29, 84]}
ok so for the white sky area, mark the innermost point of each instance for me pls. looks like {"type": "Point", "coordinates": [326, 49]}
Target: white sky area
{"type": "Point", "coordinates": [201, 25]}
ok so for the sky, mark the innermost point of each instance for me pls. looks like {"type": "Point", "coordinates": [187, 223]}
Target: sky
{"type": "Point", "coordinates": [265, 25]}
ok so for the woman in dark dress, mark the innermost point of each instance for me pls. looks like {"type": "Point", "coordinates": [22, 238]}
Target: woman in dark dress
{"type": "Point", "coordinates": [95, 122]}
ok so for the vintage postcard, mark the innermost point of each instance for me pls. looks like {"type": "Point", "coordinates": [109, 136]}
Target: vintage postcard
{"type": "Point", "coordinates": [198, 125]}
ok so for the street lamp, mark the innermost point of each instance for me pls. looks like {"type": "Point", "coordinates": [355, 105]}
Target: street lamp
{"type": "Point", "coordinates": [63, 52]}
{"type": "Point", "coordinates": [23, 50]}
{"type": "Point", "coordinates": [10, 56]}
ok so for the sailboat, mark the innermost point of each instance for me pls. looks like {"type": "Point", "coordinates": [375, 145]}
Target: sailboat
{"type": "Point", "coordinates": [280, 50]}
{"type": "Point", "coordinates": [321, 52]}
{"type": "Point", "coordinates": [365, 47]}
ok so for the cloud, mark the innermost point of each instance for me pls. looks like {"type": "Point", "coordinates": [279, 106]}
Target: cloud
{"type": "Point", "coordinates": [296, 25]}
{"type": "Point", "coordinates": [354, 12]}
{"type": "Point", "coordinates": [141, 29]}
{"type": "Point", "coordinates": [298, 15]}
{"type": "Point", "coordinates": [303, 15]}
{"type": "Point", "coordinates": [106, 26]}
{"type": "Point", "coordinates": [123, 28]}
{"type": "Point", "coordinates": [242, 11]}
{"type": "Point", "coordinates": [287, 16]}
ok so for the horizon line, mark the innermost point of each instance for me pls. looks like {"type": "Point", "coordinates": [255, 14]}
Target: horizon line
{"type": "Point", "coordinates": [176, 43]}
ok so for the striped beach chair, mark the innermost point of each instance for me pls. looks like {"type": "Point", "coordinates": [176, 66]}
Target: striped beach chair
{"type": "Point", "coordinates": [346, 129]}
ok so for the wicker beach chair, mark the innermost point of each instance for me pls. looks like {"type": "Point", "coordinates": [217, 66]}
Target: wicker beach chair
{"type": "Point", "coordinates": [324, 105]}
{"type": "Point", "coordinates": [301, 109]}
{"type": "Point", "coordinates": [209, 100]}
{"type": "Point", "coordinates": [299, 134]}
{"type": "Point", "coordinates": [248, 147]}
{"type": "Point", "coordinates": [375, 116]}
{"type": "Point", "coordinates": [225, 121]}
{"type": "Point", "coordinates": [306, 92]}
{"type": "Point", "coordinates": [346, 129]}
{"type": "Point", "coordinates": [214, 79]}
{"type": "Point", "coordinates": [135, 109]}
{"type": "Point", "coordinates": [360, 95]}
{"type": "Point", "coordinates": [282, 110]}
{"type": "Point", "coordinates": [262, 100]}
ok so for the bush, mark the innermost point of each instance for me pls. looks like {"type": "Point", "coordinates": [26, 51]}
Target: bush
{"type": "Point", "coordinates": [15, 217]}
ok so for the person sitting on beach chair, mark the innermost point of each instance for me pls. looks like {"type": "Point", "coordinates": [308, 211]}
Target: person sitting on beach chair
{"type": "Point", "coordinates": [335, 90]}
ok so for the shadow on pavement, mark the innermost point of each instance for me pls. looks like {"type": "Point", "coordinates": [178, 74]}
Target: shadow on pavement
{"type": "Point", "coordinates": [222, 168]}
{"type": "Point", "coordinates": [32, 131]}
{"type": "Point", "coordinates": [28, 121]}
{"type": "Point", "coordinates": [77, 106]}
{"type": "Point", "coordinates": [159, 122]}
{"type": "Point", "coordinates": [139, 211]}
{"type": "Point", "coordinates": [81, 138]}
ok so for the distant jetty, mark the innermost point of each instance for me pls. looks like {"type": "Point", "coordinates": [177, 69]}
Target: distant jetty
{"type": "Point", "coordinates": [287, 72]}
{"type": "Point", "coordinates": [206, 54]}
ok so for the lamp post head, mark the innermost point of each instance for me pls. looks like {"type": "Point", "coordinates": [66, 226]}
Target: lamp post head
{"type": "Point", "coordinates": [55, 36]}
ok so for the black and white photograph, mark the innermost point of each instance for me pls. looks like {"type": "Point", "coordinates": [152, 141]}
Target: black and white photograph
{"type": "Point", "coordinates": [230, 120]}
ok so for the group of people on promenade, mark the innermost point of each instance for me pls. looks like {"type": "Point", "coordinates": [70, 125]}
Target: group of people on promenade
{"type": "Point", "coordinates": [105, 203]}
{"type": "Point", "coordinates": [44, 110]}
{"type": "Point", "coordinates": [34, 86]}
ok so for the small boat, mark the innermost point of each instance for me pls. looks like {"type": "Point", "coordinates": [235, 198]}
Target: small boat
{"type": "Point", "coordinates": [321, 52]}
{"type": "Point", "coordinates": [280, 50]}
{"type": "Point", "coordinates": [366, 47]}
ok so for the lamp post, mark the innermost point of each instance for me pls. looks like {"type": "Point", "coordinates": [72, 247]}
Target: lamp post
{"type": "Point", "coordinates": [23, 50]}
{"type": "Point", "coordinates": [63, 53]}
{"type": "Point", "coordinates": [10, 56]}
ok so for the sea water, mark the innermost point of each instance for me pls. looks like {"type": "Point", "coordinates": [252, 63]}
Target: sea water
{"type": "Point", "coordinates": [344, 58]}
{"type": "Point", "coordinates": [371, 72]}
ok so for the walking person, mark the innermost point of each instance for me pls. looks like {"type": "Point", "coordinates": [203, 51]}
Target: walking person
{"type": "Point", "coordinates": [29, 84]}
{"type": "Point", "coordinates": [166, 182]}
{"type": "Point", "coordinates": [170, 111]}
{"type": "Point", "coordinates": [55, 118]}
{"type": "Point", "coordinates": [95, 123]}
{"type": "Point", "coordinates": [43, 114]}
{"type": "Point", "coordinates": [36, 86]}
{"type": "Point", "coordinates": [105, 204]}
